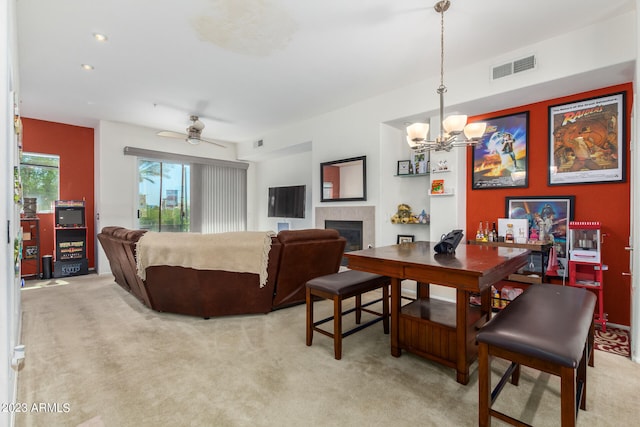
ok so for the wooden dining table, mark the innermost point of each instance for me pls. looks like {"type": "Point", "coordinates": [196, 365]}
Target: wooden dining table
{"type": "Point", "coordinates": [435, 329]}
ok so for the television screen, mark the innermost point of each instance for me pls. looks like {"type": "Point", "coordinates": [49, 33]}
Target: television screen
{"type": "Point", "coordinates": [70, 217]}
{"type": "Point", "coordinates": [287, 202]}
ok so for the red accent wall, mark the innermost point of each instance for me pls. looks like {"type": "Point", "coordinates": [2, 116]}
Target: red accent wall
{"type": "Point", "coordinates": [608, 203]}
{"type": "Point", "coordinates": [74, 145]}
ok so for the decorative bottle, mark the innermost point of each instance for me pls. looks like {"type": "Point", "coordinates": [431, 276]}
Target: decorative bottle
{"type": "Point", "coordinates": [508, 235]}
{"type": "Point", "coordinates": [479, 234]}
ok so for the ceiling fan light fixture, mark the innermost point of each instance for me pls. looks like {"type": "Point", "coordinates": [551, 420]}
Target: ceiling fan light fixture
{"type": "Point", "coordinates": [196, 123]}
{"type": "Point", "coordinates": [192, 135]}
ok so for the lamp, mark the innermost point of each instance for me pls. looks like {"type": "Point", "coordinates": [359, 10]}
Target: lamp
{"type": "Point", "coordinates": [452, 126]}
{"type": "Point", "coordinates": [194, 131]}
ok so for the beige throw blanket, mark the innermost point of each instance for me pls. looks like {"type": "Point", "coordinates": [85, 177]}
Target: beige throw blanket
{"type": "Point", "coordinates": [242, 251]}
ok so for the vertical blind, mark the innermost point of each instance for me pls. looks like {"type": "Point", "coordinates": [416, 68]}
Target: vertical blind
{"type": "Point", "coordinates": [222, 196]}
{"type": "Point", "coordinates": [218, 190]}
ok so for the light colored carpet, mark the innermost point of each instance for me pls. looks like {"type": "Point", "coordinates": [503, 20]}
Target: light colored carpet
{"type": "Point", "coordinates": [91, 345]}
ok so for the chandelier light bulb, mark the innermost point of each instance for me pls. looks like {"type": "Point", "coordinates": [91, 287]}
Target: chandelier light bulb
{"type": "Point", "coordinates": [418, 131]}
{"type": "Point", "coordinates": [475, 130]}
{"type": "Point", "coordinates": [454, 124]}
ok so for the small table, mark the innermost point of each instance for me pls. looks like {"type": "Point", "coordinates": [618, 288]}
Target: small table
{"type": "Point", "coordinates": [437, 330]}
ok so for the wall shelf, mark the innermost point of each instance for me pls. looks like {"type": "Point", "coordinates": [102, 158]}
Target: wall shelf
{"type": "Point", "coordinates": [412, 175]}
{"type": "Point", "coordinates": [449, 193]}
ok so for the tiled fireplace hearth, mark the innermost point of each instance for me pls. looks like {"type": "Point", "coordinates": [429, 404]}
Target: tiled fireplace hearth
{"type": "Point", "coordinates": [366, 214]}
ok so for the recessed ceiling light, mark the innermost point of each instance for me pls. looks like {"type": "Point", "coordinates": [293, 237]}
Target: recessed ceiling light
{"type": "Point", "coordinates": [87, 67]}
{"type": "Point", "coordinates": [100, 37]}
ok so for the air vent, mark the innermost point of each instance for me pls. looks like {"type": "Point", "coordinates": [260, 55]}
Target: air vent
{"type": "Point", "coordinates": [258, 143]}
{"type": "Point", "coordinates": [524, 64]}
{"type": "Point", "coordinates": [517, 66]}
{"type": "Point", "coordinates": [502, 71]}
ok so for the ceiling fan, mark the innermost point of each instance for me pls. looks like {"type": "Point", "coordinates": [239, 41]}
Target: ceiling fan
{"type": "Point", "coordinates": [192, 135]}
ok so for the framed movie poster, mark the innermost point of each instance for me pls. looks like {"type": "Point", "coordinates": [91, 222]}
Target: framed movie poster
{"type": "Point", "coordinates": [587, 141]}
{"type": "Point", "coordinates": [500, 159]}
{"type": "Point", "coordinates": [548, 217]}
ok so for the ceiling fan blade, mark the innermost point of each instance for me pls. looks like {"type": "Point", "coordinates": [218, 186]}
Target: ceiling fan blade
{"type": "Point", "coordinates": [212, 142]}
{"type": "Point", "coordinates": [171, 134]}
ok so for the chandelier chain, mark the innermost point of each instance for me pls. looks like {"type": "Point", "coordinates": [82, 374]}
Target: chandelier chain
{"type": "Point", "coordinates": [442, 87]}
{"type": "Point", "coordinates": [454, 125]}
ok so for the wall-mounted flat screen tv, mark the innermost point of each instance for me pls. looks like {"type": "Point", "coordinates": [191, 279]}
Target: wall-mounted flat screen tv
{"type": "Point", "coordinates": [287, 202]}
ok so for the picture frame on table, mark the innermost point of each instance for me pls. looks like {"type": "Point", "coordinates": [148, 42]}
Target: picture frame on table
{"type": "Point", "coordinates": [405, 238]}
{"type": "Point", "coordinates": [587, 141]}
{"type": "Point", "coordinates": [404, 167]}
{"type": "Point", "coordinates": [548, 216]}
{"type": "Point", "coordinates": [500, 159]}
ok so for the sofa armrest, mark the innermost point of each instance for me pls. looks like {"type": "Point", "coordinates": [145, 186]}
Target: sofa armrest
{"type": "Point", "coordinates": [305, 255]}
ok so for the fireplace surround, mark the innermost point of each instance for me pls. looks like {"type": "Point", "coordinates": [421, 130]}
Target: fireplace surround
{"type": "Point", "coordinates": [366, 214]}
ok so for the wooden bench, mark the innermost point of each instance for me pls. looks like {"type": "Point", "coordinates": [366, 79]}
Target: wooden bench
{"type": "Point", "coordinates": [338, 287]}
{"type": "Point", "coordinates": [548, 328]}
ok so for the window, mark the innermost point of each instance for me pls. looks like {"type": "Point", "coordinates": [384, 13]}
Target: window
{"type": "Point", "coordinates": [163, 195]}
{"type": "Point", "coordinates": [187, 193]}
{"type": "Point", "coordinates": [40, 175]}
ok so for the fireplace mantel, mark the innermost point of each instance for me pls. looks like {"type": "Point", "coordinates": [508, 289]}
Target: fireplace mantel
{"type": "Point", "coordinates": [366, 214]}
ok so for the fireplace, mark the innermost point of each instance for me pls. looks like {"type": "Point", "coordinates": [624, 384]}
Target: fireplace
{"type": "Point", "coordinates": [350, 230]}
{"type": "Point", "coordinates": [345, 219]}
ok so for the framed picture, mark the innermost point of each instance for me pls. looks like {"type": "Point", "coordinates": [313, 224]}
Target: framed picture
{"type": "Point", "coordinates": [404, 167]}
{"type": "Point", "coordinates": [500, 159]}
{"type": "Point", "coordinates": [587, 141]}
{"type": "Point", "coordinates": [548, 217]}
{"type": "Point", "coordinates": [420, 162]}
{"type": "Point", "coordinates": [405, 238]}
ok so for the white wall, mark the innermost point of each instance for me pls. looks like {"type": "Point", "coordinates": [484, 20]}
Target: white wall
{"type": "Point", "coordinates": [116, 174]}
{"type": "Point", "coordinates": [292, 169]}
{"type": "Point", "coordinates": [9, 212]}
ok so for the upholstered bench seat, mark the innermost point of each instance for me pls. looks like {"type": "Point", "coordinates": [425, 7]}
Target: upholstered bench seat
{"type": "Point", "coordinates": [338, 287]}
{"type": "Point", "coordinates": [548, 328]}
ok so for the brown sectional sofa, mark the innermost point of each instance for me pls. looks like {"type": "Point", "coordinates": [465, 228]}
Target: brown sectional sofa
{"type": "Point", "coordinates": [296, 256]}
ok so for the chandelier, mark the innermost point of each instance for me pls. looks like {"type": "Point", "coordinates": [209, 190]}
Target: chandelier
{"type": "Point", "coordinates": [453, 126]}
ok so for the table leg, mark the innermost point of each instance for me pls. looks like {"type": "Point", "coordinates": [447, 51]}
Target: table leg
{"type": "Point", "coordinates": [423, 290]}
{"type": "Point", "coordinates": [484, 385]}
{"type": "Point", "coordinates": [462, 308]}
{"type": "Point", "coordinates": [396, 295]}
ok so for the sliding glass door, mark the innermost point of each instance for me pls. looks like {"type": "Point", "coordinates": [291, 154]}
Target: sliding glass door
{"type": "Point", "coordinates": [163, 196]}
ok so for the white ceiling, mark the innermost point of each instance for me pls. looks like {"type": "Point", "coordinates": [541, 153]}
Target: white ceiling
{"type": "Point", "coordinates": [249, 66]}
